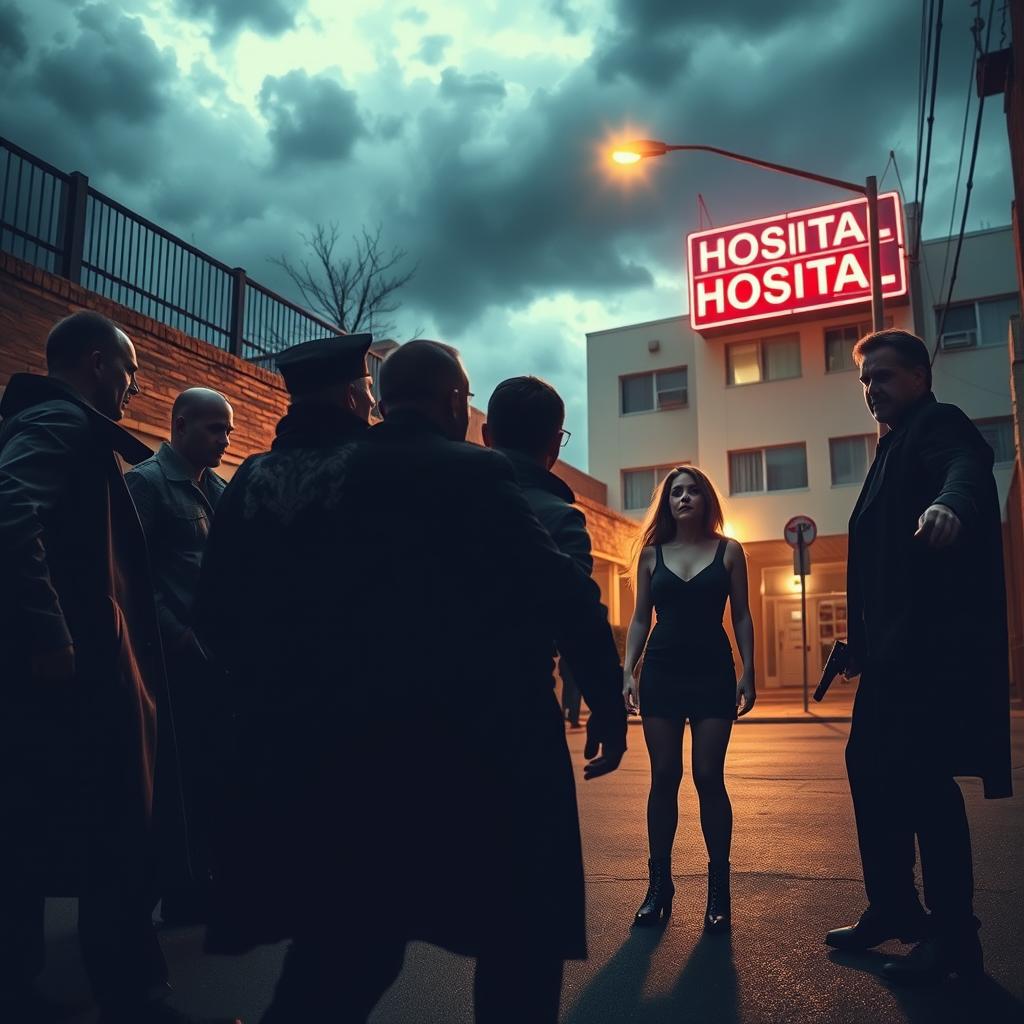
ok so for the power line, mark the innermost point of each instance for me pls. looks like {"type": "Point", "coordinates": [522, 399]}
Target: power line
{"type": "Point", "coordinates": [959, 167]}
{"type": "Point", "coordinates": [931, 123]}
{"type": "Point", "coordinates": [903, 194]}
{"type": "Point", "coordinates": [889, 163]}
{"type": "Point", "coordinates": [923, 60]}
{"type": "Point", "coordinates": [976, 30]}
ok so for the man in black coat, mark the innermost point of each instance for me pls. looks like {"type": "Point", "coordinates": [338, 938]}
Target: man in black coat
{"type": "Point", "coordinates": [414, 690]}
{"type": "Point", "coordinates": [83, 675]}
{"type": "Point", "coordinates": [928, 635]}
{"type": "Point", "coordinates": [272, 600]}
{"type": "Point", "coordinates": [175, 492]}
{"type": "Point", "coordinates": [524, 422]}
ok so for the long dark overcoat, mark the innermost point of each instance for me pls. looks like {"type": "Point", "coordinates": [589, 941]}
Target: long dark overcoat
{"type": "Point", "coordinates": [76, 759]}
{"type": "Point", "coordinates": [430, 788]}
{"type": "Point", "coordinates": [932, 622]}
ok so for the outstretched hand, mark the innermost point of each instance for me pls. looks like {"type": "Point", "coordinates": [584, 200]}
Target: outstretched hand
{"type": "Point", "coordinates": [938, 526]}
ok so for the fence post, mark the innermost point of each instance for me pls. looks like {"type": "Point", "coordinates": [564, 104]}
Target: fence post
{"type": "Point", "coordinates": [73, 242]}
{"type": "Point", "coordinates": [238, 280]}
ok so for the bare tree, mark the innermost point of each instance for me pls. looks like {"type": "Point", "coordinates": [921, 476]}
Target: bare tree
{"type": "Point", "coordinates": [356, 292]}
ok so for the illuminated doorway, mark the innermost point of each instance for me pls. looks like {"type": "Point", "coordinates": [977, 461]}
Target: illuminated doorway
{"type": "Point", "coordinates": [782, 635]}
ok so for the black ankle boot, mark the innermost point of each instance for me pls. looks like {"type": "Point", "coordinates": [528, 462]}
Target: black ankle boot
{"type": "Point", "coordinates": [717, 917]}
{"type": "Point", "coordinates": [657, 904]}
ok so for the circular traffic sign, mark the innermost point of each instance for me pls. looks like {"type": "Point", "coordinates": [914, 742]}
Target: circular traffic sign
{"type": "Point", "coordinates": [798, 525]}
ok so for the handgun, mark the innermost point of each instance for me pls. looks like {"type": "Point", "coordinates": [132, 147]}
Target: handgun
{"type": "Point", "coordinates": [838, 659]}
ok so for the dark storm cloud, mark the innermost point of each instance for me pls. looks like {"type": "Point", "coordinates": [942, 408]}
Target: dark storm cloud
{"type": "Point", "coordinates": [507, 205]}
{"type": "Point", "coordinates": [312, 118]}
{"type": "Point", "coordinates": [111, 70]}
{"type": "Point", "coordinates": [505, 221]}
{"type": "Point", "coordinates": [653, 41]}
{"type": "Point", "coordinates": [432, 49]}
{"type": "Point", "coordinates": [229, 17]}
{"type": "Point", "coordinates": [480, 87]}
{"type": "Point", "coordinates": [490, 183]}
{"type": "Point", "coordinates": [13, 40]}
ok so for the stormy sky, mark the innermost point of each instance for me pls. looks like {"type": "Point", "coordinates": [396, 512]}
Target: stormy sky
{"type": "Point", "coordinates": [475, 132]}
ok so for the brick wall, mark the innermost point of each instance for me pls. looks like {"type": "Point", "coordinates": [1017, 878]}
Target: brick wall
{"type": "Point", "coordinates": [31, 301]}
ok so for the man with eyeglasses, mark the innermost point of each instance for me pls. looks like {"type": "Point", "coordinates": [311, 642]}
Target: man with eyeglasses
{"type": "Point", "coordinates": [447, 768]}
{"type": "Point", "coordinates": [524, 422]}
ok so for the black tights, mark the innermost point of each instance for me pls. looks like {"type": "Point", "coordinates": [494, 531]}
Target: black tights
{"type": "Point", "coordinates": [664, 738]}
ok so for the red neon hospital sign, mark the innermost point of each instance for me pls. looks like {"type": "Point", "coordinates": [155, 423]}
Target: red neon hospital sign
{"type": "Point", "coordinates": [793, 263]}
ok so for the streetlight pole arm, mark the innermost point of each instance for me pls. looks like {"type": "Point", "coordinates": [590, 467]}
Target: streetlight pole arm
{"type": "Point", "coordinates": [768, 165]}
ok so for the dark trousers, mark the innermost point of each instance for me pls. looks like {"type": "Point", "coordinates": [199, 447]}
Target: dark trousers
{"type": "Point", "coordinates": [902, 788]}
{"type": "Point", "coordinates": [571, 697]}
{"type": "Point", "coordinates": [186, 782]}
{"type": "Point", "coordinates": [120, 951]}
{"type": "Point", "coordinates": [325, 979]}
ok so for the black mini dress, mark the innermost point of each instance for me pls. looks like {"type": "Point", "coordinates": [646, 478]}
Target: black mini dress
{"type": "Point", "coordinates": [688, 669]}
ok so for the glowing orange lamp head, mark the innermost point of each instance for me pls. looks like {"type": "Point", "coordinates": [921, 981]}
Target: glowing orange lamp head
{"type": "Point", "coordinates": [634, 152]}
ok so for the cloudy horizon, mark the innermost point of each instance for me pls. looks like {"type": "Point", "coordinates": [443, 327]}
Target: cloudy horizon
{"type": "Point", "coordinates": [474, 134]}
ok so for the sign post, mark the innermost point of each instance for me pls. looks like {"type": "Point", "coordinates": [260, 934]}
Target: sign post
{"type": "Point", "coordinates": [800, 533]}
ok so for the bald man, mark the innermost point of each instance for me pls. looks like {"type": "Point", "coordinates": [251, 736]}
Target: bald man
{"type": "Point", "coordinates": [175, 493]}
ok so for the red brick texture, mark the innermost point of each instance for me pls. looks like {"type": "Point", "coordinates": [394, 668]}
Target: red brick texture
{"type": "Point", "coordinates": [32, 301]}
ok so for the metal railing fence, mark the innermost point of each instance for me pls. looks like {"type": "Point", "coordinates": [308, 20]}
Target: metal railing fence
{"type": "Point", "coordinates": [58, 222]}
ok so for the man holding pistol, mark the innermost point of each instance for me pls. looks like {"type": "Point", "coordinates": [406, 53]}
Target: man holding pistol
{"type": "Point", "coordinates": [928, 637]}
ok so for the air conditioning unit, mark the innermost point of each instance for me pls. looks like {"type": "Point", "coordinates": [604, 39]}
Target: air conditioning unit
{"type": "Point", "coordinates": [960, 339]}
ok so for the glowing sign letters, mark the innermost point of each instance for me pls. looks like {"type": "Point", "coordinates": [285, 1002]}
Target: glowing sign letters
{"type": "Point", "coordinates": [792, 263]}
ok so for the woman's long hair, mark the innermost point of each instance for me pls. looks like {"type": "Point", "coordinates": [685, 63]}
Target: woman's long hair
{"type": "Point", "coordinates": [659, 525]}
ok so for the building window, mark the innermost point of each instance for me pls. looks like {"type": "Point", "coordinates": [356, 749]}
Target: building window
{"type": "Point", "coordinates": [638, 485]}
{"type": "Point", "coordinates": [783, 468]}
{"type": "Point", "coordinates": [998, 434]}
{"type": "Point", "coordinates": [749, 362]}
{"type": "Point", "coordinates": [839, 342]}
{"type": "Point", "coordinates": [850, 458]}
{"type": "Point", "coordinates": [977, 324]}
{"type": "Point", "coordinates": [646, 392]}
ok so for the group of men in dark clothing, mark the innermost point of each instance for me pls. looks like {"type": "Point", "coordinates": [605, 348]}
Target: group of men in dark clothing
{"type": "Point", "coordinates": [346, 564]}
{"type": "Point", "coordinates": [316, 704]}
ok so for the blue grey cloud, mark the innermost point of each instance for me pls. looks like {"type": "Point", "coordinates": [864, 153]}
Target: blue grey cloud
{"type": "Point", "coordinates": [312, 118]}
{"type": "Point", "coordinates": [229, 17]}
{"type": "Point", "coordinates": [481, 87]}
{"type": "Point", "coordinates": [111, 70]}
{"type": "Point", "coordinates": [13, 38]}
{"type": "Point", "coordinates": [432, 49]}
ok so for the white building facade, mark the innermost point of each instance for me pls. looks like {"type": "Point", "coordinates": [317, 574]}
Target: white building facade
{"type": "Point", "coordinates": [773, 411]}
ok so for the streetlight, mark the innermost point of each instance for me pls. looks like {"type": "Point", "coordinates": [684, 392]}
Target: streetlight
{"type": "Point", "coordinates": [641, 149]}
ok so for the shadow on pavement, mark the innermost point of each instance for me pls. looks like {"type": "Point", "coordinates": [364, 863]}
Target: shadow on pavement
{"type": "Point", "coordinates": [949, 1003]}
{"type": "Point", "coordinates": [705, 990]}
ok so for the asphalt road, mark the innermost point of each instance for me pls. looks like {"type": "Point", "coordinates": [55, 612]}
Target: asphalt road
{"type": "Point", "coordinates": [795, 874]}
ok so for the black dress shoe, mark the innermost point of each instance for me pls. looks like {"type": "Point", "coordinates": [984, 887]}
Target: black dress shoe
{"type": "Point", "coordinates": [878, 926]}
{"type": "Point", "coordinates": [932, 961]}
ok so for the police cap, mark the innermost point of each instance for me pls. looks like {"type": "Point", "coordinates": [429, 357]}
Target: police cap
{"type": "Point", "coordinates": [322, 363]}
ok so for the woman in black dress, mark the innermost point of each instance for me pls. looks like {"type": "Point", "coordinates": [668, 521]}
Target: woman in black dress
{"type": "Point", "coordinates": [686, 570]}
